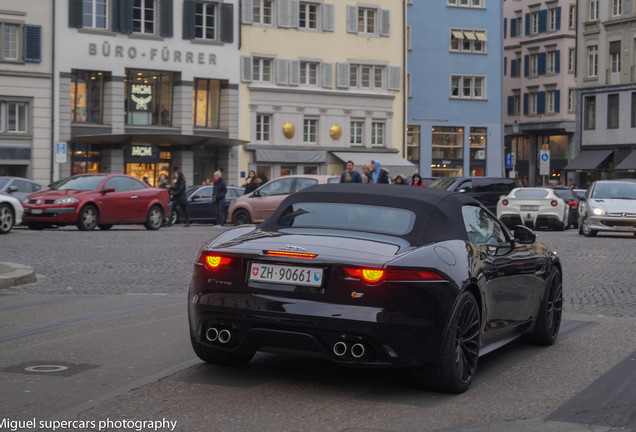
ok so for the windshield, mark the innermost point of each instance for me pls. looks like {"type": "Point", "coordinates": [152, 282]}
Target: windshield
{"type": "Point", "coordinates": [350, 217]}
{"type": "Point", "coordinates": [443, 183]}
{"type": "Point", "coordinates": [532, 193]}
{"type": "Point", "coordinates": [3, 182]}
{"type": "Point", "coordinates": [83, 183]}
{"type": "Point", "coordinates": [616, 190]}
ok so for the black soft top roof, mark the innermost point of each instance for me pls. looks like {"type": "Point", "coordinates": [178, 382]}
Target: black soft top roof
{"type": "Point", "coordinates": [438, 212]}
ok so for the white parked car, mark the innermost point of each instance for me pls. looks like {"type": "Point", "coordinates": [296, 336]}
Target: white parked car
{"type": "Point", "coordinates": [609, 205]}
{"type": "Point", "coordinates": [11, 212]}
{"type": "Point", "coordinates": [536, 207]}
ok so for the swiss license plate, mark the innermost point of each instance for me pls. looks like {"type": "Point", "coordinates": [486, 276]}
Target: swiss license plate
{"type": "Point", "coordinates": [36, 211]}
{"type": "Point", "coordinates": [529, 208]}
{"type": "Point", "coordinates": [292, 275]}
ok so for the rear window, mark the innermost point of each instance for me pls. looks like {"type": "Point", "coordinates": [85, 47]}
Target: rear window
{"type": "Point", "coordinates": [531, 193]}
{"type": "Point", "coordinates": [564, 193]}
{"type": "Point", "coordinates": [350, 217]}
{"type": "Point", "coordinates": [84, 183]}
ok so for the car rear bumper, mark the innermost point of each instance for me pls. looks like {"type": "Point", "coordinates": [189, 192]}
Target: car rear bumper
{"type": "Point", "coordinates": [535, 219]}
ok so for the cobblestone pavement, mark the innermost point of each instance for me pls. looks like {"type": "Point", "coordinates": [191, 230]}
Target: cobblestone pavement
{"type": "Point", "coordinates": [599, 273]}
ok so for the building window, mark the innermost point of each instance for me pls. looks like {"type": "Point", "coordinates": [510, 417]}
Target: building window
{"type": "Point", "coordinates": [589, 121]}
{"type": "Point", "coordinates": [366, 76]}
{"type": "Point", "coordinates": [571, 99]}
{"type": "Point", "coordinates": [308, 73]}
{"type": "Point", "coordinates": [14, 117]}
{"type": "Point", "coordinates": [262, 69]}
{"type": "Point", "coordinates": [478, 138]}
{"type": "Point", "coordinates": [572, 17]}
{"type": "Point", "coordinates": [550, 96]}
{"type": "Point", "coordinates": [95, 14]}
{"type": "Point", "coordinates": [534, 22]}
{"type": "Point", "coordinates": [262, 11]}
{"type": "Point", "coordinates": [593, 10]}
{"type": "Point", "coordinates": [551, 62]}
{"type": "Point", "coordinates": [533, 103]}
{"type": "Point", "coordinates": [468, 87]}
{"type": "Point", "coordinates": [571, 60]}
{"type": "Point", "coordinates": [552, 19]}
{"type": "Point", "coordinates": [367, 20]}
{"type": "Point", "coordinates": [465, 3]}
{"type": "Point", "coordinates": [617, 7]}
{"type": "Point", "coordinates": [148, 97]}
{"type": "Point", "coordinates": [377, 134]}
{"type": "Point", "coordinates": [10, 41]}
{"type": "Point", "coordinates": [413, 144]}
{"type": "Point", "coordinates": [87, 91]}
{"type": "Point", "coordinates": [308, 18]}
{"type": "Point", "coordinates": [206, 97]}
{"type": "Point", "coordinates": [205, 24]}
{"type": "Point", "coordinates": [615, 56]}
{"type": "Point", "coordinates": [612, 111]}
{"type": "Point", "coordinates": [310, 131]}
{"type": "Point", "coordinates": [144, 16]}
{"type": "Point", "coordinates": [447, 151]}
{"type": "Point", "coordinates": [470, 41]}
{"type": "Point", "coordinates": [516, 104]}
{"type": "Point", "coordinates": [357, 133]}
{"type": "Point", "coordinates": [534, 65]}
{"type": "Point", "coordinates": [263, 126]}
{"type": "Point", "coordinates": [592, 61]}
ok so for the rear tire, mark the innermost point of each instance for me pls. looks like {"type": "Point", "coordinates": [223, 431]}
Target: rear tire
{"type": "Point", "coordinates": [88, 218]}
{"type": "Point", "coordinates": [548, 323]}
{"type": "Point", "coordinates": [218, 357]}
{"type": "Point", "coordinates": [104, 227]}
{"type": "Point", "coordinates": [7, 218]}
{"type": "Point", "coordinates": [241, 217]}
{"type": "Point", "coordinates": [154, 220]}
{"type": "Point", "coordinates": [459, 351]}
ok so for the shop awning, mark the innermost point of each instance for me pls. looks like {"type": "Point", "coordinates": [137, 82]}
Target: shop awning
{"type": "Point", "coordinates": [175, 140]}
{"type": "Point", "coordinates": [290, 156]}
{"type": "Point", "coordinates": [627, 164]}
{"type": "Point", "coordinates": [393, 162]}
{"type": "Point", "coordinates": [588, 160]}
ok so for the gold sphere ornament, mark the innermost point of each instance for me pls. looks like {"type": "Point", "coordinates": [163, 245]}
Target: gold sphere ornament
{"type": "Point", "coordinates": [289, 130]}
{"type": "Point", "coordinates": [335, 132]}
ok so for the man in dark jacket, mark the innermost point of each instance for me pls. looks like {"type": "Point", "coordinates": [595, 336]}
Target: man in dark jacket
{"type": "Point", "coordinates": [179, 196]}
{"type": "Point", "coordinates": [350, 175]}
{"type": "Point", "coordinates": [220, 189]}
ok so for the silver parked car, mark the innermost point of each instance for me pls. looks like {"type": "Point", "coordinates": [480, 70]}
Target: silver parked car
{"type": "Point", "coordinates": [609, 205]}
{"type": "Point", "coordinates": [18, 187]}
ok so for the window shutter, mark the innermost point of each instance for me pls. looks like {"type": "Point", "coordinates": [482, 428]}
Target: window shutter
{"type": "Point", "coordinates": [511, 105]}
{"type": "Point", "coordinates": [33, 43]}
{"type": "Point", "coordinates": [246, 68]}
{"type": "Point", "coordinates": [342, 75]}
{"type": "Point", "coordinates": [525, 104]}
{"type": "Point", "coordinates": [294, 72]}
{"type": "Point", "coordinates": [527, 24]}
{"type": "Point", "coordinates": [165, 24]}
{"type": "Point", "coordinates": [395, 78]}
{"type": "Point", "coordinates": [557, 61]}
{"type": "Point", "coordinates": [558, 18]}
{"type": "Point", "coordinates": [122, 16]}
{"type": "Point", "coordinates": [227, 22]}
{"type": "Point", "coordinates": [526, 65]}
{"type": "Point", "coordinates": [543, 21]}
{"type": "Point", "coordinates": [75, 13]}
{"type": "Point", "coordinates": [513, 68]}
{"type": "Point", "coordinates": [246, 12]}
{"type": "Point", "coordinates": [188, 20]}
{"type": "Point", "coordinates": [513, 27]}
{"type": "Point", "coordinates": [295, 13]}
{"type": "Point", "coordinates": [328, 20]}
{"type": "Point", "coordinates": [326, 71]}
{"type": "Point", "coordinates": [541, 66]}
{"type": "Point", "coordinates": [505, 26]}
{"type": "Point", "coordinates": [352, 19]}
{"type": "Point", "coordinates": [505, 65]}
{"type": "Point", "coordinates": [541, 103]}
{"type": "Point", "coordinates": [557, 100]}
{"type": "Point", "coordinates": [385, 22]}
{"type": "Point", "coordinates": [288, 13]}
{"type": "Point", "coordinates": [282, 71]}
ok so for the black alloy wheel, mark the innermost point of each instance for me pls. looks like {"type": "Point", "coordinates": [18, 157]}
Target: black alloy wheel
{"type": "Point", "coordinates": [548, 322]}
{"type": "Point", "coordinates": [241, 217]}
{"type": "Point", "coordinates": [88, 218]}
{"type": "Point", "coordinates": [154, 220]}
{"type": "Point", "coordinates": [459, 352]}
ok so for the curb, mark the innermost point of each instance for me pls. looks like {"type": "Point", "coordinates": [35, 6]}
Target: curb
{"type": "Point", "coordinates": [15, 274]}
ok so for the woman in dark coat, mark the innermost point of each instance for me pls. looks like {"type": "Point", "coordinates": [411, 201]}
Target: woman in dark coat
{"type": "Point", "coordinates": [179, 196]}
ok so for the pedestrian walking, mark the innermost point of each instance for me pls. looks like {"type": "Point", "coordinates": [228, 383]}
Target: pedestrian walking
{"type": "Point", "coordinates": [378, 174]}
{"type": "Point", "coordinates": [145, 180]}
{"type": "Point", "coordinates": [366, 173]}
{"type": "Point", "coordinates": [252, 182]}
{"type": "Point", "coordinates": [179, 195]}
{"type": "Point", "coordinates": [350, 175]}
{"type": "Point", "coordinates": [416, 180]}
{"type": "Point", "coordinates": [163, 182]}
{"type": "Point", "coordinates": [220, 189]}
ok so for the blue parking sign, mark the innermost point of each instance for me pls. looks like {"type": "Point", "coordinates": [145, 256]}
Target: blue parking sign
{"type": "Point", "coordinates": [508, 160]}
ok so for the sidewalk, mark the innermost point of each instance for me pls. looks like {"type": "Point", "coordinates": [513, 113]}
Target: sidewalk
{"type": "Point", "coordinates": [15, 274]}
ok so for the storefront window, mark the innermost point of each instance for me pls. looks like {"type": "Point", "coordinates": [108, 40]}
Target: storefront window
{"type": "Point", "coordinates": [149, 98]}
{"type": "Point", "coordinates": [447, 151]}
{"type": "Point", "coordinates": [87, 90]}
{"type": "Point", "coordinates": [478, 138]}
{"type": "Point", "coordinates": [85, 159]}
{"type": "Point", "coordinates": [413, 144]}
{"type": "Point", "coordinates": [144, 160]}
{"type": "Point", "coordinates": [205, 108]}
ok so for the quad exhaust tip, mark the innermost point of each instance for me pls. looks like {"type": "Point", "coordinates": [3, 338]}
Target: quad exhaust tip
{"type": "Point", "coordinates": [212, 334]}
{"type": "Point", "coordinates": [340, 348]}
{"type": "Point", "coordinates": [357, 350]}
{"type": "Point", "coordinates": [225, 336]}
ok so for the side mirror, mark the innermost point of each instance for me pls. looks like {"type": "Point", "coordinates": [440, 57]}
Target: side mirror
{"type": "Point", "coordinates": [256, 193]}
{"type": "Point", "coordinates": [12, 189]}
{"type": "Point", "coordinates": [462, 191]}
{"type": "Point", "coordinates": [524, 235]}
{"type": "Point", "coordinates": [108, 190]}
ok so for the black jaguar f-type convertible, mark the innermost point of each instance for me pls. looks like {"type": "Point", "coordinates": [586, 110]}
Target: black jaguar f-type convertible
{"type": "Point", "coordinates": [375, 275]}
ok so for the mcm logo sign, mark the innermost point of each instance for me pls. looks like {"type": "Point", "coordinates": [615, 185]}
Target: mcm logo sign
{"type": "Point", "coordinates": [141, 95]}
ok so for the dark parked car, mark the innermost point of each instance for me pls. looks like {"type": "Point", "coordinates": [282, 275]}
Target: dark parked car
{"type": "Point", "coordinates": [97, 200]}
{"type": "Point", "coordinates": [567, 195]}
{"type": "Point", "coordinates": [374, 275]}
{"type": "Point", "coordinates": [18, 187]}
{"type": "Point", "coordinates": [486, 190]}
{"type": "Point", "coordinates": [200, 205]}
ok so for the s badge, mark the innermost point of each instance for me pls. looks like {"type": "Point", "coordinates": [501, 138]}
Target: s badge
{"type": "Point", "coordinates": [356, 294]}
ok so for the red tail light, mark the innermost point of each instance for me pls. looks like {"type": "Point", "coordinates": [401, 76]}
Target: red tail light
{"type": "Point", "coordinates": [554, 203]}
{"type": "Point", "coordinates": [214, 262]}
{"type": "Point", "coordinates": [378, 275]}
{"type": "Point", "coordinates": [504, 202]}
{"type": "Point", "coordinates": [290, 254]}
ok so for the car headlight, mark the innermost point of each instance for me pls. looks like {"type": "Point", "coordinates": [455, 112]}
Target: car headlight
{"type": "Point", "coordinates": [67, 200]}
{"type": "Point", "coordinates": [598, 211]}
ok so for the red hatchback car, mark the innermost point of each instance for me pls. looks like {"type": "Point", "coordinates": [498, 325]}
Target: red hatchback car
{"type": "Point", "coordinates": [97, 200]}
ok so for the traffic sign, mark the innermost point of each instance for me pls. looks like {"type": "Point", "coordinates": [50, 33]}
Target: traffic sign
{"type": "Point", "coordinates": [544, 162]}
{"type": "Point", "coordinates": [60, 152]}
